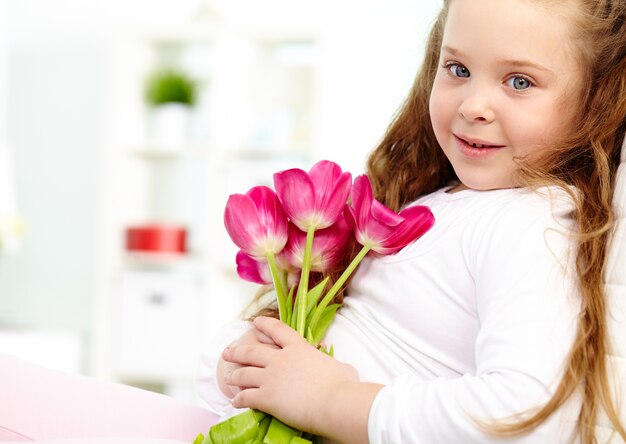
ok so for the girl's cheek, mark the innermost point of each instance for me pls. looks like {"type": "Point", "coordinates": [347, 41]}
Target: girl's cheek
{"type": "Point", "coordinates": [437, 110]}
{"type": "Point", "coordinates": [439, 104]}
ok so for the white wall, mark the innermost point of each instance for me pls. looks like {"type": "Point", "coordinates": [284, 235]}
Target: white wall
{"type": "Point", "coordinates": [3, 65]}
{"type": "Point", "coordinates": [53, 108]}
{"type": "Point", "coordinates": [376, 49]}
{"type": "Point", "coordinates": [52, 122]}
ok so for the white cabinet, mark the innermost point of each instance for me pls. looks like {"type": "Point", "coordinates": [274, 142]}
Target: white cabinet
{"type": "Point", "coordinates": [157, 336]}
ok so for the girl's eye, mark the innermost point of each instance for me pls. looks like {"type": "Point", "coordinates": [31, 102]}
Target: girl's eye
{"type": "Point", "coordinates": [457, 70]}
{"type": "Point", "coordinates": [519, 83]}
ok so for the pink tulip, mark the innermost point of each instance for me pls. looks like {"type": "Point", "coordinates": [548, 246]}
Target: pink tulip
{"type": "Point", "coordinates": [251, 270]}
{"type": "Point", "coordinates": [328, 245]}
{"type": "Point", "coordinates": [315, 199]}
{"type": "Point", "coordinates": [256, 222]}
{"type": "Point", "coordinates": [258, 270]}
{"type": "Point", "coordinates": [385, 231]}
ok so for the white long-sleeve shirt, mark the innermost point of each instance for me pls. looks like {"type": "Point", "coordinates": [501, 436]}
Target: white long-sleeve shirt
{"type": "Point", "coordinates": [473, 320]}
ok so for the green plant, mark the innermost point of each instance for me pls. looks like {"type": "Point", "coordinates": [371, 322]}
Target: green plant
{"type": "Point", "coordinates": [170, 86]}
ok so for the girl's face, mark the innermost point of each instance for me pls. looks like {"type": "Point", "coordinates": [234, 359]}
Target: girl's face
{"type": "Point", "coordinates": [508, 85]}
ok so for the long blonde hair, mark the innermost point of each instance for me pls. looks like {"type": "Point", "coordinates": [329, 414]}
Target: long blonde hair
{"type": "Point", "coordinates": [409, 163]}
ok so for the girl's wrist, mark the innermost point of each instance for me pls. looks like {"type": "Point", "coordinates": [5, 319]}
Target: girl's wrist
{"type": "Point", "coordinates": [346, 419]}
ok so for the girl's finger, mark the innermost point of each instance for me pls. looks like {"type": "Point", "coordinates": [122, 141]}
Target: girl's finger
{"type": "Point", "coordinates": [278, 331]}
{"type": "Point", "coordinates": [254, 398]}
{"type": "Point", "coordinates": [248, 377]}
{"type": "Point", "coordinates": [248, 397]}
{"type": "Point", "coordinates": [263, 338]}
{"type": "Point", "coordinates": [254, 355]}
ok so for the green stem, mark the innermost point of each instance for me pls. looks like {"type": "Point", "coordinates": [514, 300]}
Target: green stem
{"type": "Point", "coordinates": [337, 286]}
{"type": "Point", "coordinates": [303, 286]}
{"type": "Point", "coordinates": [286, 317]}
{"type": "Point", "coordinates": [281, 295]}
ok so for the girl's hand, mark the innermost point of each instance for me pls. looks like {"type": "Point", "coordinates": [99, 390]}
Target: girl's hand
{"type": "Point", "coordinates": [251, 337]}
{"type": "Point", "coordinates": [297, 383]}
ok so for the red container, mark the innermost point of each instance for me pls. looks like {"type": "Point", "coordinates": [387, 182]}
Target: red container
{"type": "Point", "coordinates": [156, 239]}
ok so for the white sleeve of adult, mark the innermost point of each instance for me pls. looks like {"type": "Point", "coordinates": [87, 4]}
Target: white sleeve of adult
{"type": "Point", "coordinates": [528, 307]}
{"type": "Point", "coordinates": [206, 382]}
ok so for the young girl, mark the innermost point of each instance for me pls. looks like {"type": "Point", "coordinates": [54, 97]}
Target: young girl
{"type": "Point", "coordinates": [492, 325]}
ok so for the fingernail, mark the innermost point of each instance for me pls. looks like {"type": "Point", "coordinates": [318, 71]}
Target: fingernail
{"type": "Point", "coordinates": [226, 351]}
{"type": "Point", "coordinates": [227, 376]}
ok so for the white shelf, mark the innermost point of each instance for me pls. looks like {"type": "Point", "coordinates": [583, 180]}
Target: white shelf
{"type": "Point", "coordinates": [161, 260]}
{"type": "Point", "coordinates": [155, 152]}
{"type": "Point", "coordinates": [258, 105]}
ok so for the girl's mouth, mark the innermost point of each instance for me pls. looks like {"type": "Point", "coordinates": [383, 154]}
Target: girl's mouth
{"type": "Point", "coordinates": [478, 145]}
{"type": "Point", "coordinates": [476, 149]}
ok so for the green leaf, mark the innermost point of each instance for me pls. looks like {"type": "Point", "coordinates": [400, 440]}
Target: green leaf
{"type": "Point", "coordinates": [207, 439]}
{"type": "Point", "coordinates": [263, 426]}
{"type": "Point", "coordinates": [330, 352]}
{"type": "Point", "coordinates": [199, 439]}
{"type": "Point", "coordinates": [279, 433]}
{"type": "Point", "coordinates": [338, 285]}
{"type": "Point", "coordinates": [278, 283]}
{"type": "Point", "coordinates": [313, 309]}
{"type": "Point", "coordinates": [309, 336]}
{"type": "Point", "coordinates": [170, 86]}
{"type": "Point", "coordinates": [314, 295]}
{"type": "Point", "coordinates": [324, 322]}
{"type": "Point", "coordinates": [238, 429]}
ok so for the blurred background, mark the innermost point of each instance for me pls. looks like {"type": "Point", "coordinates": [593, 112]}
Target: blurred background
{"type": "Point", "coordinates": [124, 126]}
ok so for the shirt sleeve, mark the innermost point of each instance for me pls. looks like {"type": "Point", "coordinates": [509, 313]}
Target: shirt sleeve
{"type": "Point", "coordinates": [528, 307]}
{"type": "Point", "coordinates": [206, 382]}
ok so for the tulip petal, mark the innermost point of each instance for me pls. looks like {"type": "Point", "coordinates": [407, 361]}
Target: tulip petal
{"type": "Point", "coordinates": [270, 212]}
{"type": "Point", "coordinates": [323, 175]}
{"type": "Point", "coordinates": [241, 221]}
{"type": "Point", "coordinates": [331, 204]}
{"type": "Point", "coordinates": [361, 201]}
{"type": "Point", "coordinates": [315, 199]}
{"type": "Point", "coordinates": [384, 215]}
{"type": "Point", "coordinates": [383, 230]}
{"type": "Point", "coordinates": [374, 233]}
{"type": "Point", "coordinates": [417, 221]}
{"type": "Point", "coordinates": [295, 246]}
{"type": "Point", "coordinates": [256, 222]}
{"type": "Point", "coordinates": [249, 269]}
{"type": "Point", "coordinates": [328, 245]}
{"type": "Point", "coordinates": [348, 217]}
{"type": "Point", "coordinates": [297, 195]}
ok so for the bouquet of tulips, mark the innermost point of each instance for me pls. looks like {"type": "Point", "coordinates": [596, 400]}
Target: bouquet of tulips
{"type": "Point", "coordinates": [302, 228]}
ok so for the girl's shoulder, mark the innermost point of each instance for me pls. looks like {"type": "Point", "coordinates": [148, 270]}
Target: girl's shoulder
{"type": "Point", "coordinates": [496, 220]}
{"type": "Point", "coordinates": [514, 201]}
{"type": "Point", "coordinates": [505, 212]}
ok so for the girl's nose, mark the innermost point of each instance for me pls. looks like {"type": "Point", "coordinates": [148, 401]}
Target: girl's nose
{"type": "Point", "coordinates": [476, 109]}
